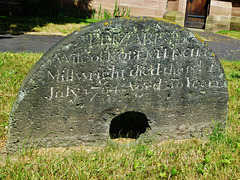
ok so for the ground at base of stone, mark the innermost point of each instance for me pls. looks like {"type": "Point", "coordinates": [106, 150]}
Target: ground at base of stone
{"type": "Point", "coordinates": [123, 140]}
{"type": "Point", "coordinates": [68, 150]}
{"type": "Point", "coordinates": [2, 144]}
{"type": "Point", "coordinates": [88, 148]}
{"type": "Point", "coordinates": [62, 149]}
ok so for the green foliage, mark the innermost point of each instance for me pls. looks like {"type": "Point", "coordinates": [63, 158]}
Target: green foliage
{"type": "Point", "coordinates": [56, 25]}
{"type": "Point", "coordinates": [45, 25]}
{"type": "Point", "coordinates": [174, 171]}
{"type": "Point", "coordinates": [217, 133]}
{"type": "Point", "coordinates": [13, 68]}
{"type": "Point", "coordinates": [206, 160]}
{"type": "Point", "coordinates": [106, 15]}
{"type": "Point", "coordinates": [99, 12]}
{"type": "Point", "coordinates": [234, 34]}
{"type": "Point", "coordinates": [200, 169]}
{"type": "Point", "coordinates": [214, 158]}
{"type": "Point", "coordinates": [117, 12]}
{"type": "Point", "coordinates": [93, 13]}
{"type": "Point", "coordinates": [120, 13]}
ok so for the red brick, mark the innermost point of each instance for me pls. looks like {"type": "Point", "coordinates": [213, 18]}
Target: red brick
{"type": "Point", "coordinates": [150, 3]}
{"type": "Point", "coordinates": [132, 2]}
{"type": "Point", "coordinates": [182, 7]}
{"type": "Point", "coordinates": [158, 13]}
{"type": "Point", "coordinates": [236, 11]}
{"type": "Point", "coordinates": [95, 5]}
{"type": "Point", "coordinates": [136, 11]}
{"type": "Point", "coordinates": [215, 3]}
{"type": "Point", "coordinates": [162, 5]}
{"type": "Point", "coordinates": [148, 12]}
{"type": "Point", "coordinates": [107, 6]}
{"type": "Point", "coordinates": [226, 4]}
{"type": "Point", "coordinates": [106, 1]}
{"type": "Point", "coordinates": [172, 5]}
{"type": "Point", "coordinates": [216, 10]}
{"type": "Point", "coordinates": [226, 11]}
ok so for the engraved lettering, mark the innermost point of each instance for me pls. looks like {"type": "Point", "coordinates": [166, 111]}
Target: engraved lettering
{"type": "Point", "coordinates": [122, 56]}
{"type": "Point", "coordinates": [96, 92]}
{"type": "Point", "coordinates": [157, 86]}
{"type": "Point", "coordinates": [57, 57]}
{"type": "Point", "coordinates": [114, 72]}
{"type": "Point", "coordinates": [66, 58]}
{"type": "Point", "coordinates": [119, 38]}
{"type": "Point", "coordinates": [50, 75]}
{"type": "Point", "coordinates": [138, 40]}
{"type": "Point", "coordinates": [156, 71]}
{"type": "Point", "coordinates": [51, 94]}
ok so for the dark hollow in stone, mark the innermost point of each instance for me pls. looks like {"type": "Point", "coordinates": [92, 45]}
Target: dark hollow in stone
{"type": "Point", "coordinates": [128, 125]}
{"type": "Point", "coordinates": [157, 68]}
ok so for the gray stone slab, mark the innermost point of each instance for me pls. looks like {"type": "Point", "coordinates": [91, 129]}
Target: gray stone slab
{"type": "Point", "coordinates": [120, 78]}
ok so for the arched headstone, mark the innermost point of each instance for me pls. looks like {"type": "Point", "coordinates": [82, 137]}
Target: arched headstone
{"type": "Point", "coordinates": [116, 69]}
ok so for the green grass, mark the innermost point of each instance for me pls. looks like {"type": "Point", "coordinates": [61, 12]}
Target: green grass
{"type": "Point", "coordinates": [55, 25]}
{"type": "Point", "coordinates": [62, 25]}
{"type": "Point", "coordinates": [13, 68]}
{"type": "Point", "coordinates": [215, 158]}
{"type": "Point", "coordinates": [234, 34]}
{"type": "Point", "coordinates": [47, 25]}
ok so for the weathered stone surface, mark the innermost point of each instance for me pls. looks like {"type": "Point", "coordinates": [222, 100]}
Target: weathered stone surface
{"type": "Point", "coordinates": [120, 69]}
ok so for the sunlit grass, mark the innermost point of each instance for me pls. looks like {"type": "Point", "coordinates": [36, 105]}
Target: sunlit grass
{"type": "Point", "coordinates": [13, 69]}
{"type": "Point", "coordinates": [235, 34]}
{"type": "Point", "coordinates": [44, 25]}
{"type": "Point", "coordinates": [60, 29]}
{"type": "Point", "coordinates": [64, 29]}
{"type": "Point", "coordinates": [214, 158]}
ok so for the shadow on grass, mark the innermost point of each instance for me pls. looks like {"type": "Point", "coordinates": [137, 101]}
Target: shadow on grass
{"type": "Point", "coordinates": [19, 25]}
{"type": "Point", "coordinates": [25, 15]}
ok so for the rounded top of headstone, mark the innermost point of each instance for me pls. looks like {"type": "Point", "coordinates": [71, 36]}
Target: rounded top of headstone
{"type": "Point", "coordinates": [144, 65]}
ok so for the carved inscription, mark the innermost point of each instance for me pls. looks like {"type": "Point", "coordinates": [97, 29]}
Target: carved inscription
{"type": "Point", "coordinates": [136, 55]}
{"type": "Point", "coordinates": [141, 38]}
{"type": "Point", "coordinates": [114, 70]}
{"type": "Point", "coordinates": [158, 75]}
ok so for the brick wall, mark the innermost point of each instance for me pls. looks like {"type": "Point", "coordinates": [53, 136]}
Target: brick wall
{"type": "Point", "coordinates": [220, 16]}
{"type": "Point", "coordinates": [220, 8]}
{"type": "Point", "coordinates": [172, 5]}
{"type": "Point", "coordinates": [151, 8]}
{"type": "Point", "coordinates": [236, 11]}
{"type": "Point", "coordinates": [235, 21]}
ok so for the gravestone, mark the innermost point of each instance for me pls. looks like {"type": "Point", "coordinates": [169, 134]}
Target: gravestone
{"type": "Point", "coordinates": [123, 77]}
